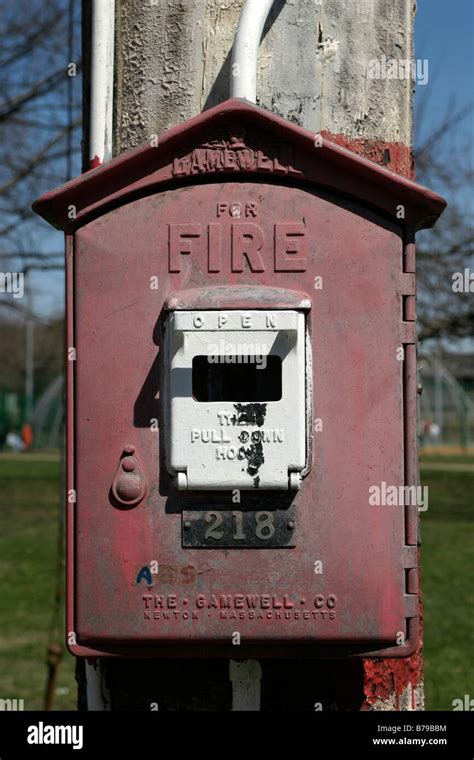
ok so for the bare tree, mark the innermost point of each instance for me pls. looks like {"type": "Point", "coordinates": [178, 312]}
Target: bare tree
{"type": "Point", "coordinates": [40, 107]}
{"type": "Point", "coordinates": [444, 162]}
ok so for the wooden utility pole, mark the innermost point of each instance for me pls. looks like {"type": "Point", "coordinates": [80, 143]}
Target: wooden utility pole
{"type": "Point", "coordinates": [172, 60]}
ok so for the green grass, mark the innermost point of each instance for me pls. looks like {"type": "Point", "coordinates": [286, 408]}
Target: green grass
{"type": "Point", "coordinates": [449, 458]}
{"type": "Point", "coordinates": [29, 499]}
{"type": "Point", "coordinates": [447, 532]}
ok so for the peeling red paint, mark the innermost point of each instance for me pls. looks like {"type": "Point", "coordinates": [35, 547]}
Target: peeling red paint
{"type": "Point", "coordinates": [394, 156]}
{"type": "Point", "coordinates": [388, 678]}
{"type": "Point", "coordinates": [95, 162]}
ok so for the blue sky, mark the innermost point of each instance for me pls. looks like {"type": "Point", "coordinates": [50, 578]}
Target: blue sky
{"type": "Point", "coordinates": [444, 34]}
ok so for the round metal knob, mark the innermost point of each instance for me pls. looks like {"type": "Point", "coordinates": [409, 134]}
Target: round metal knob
{"type": "Point", "coordinates": [129, 464]}
{"type": "Point", "coordinates": [128, 488]}
{"type": "Point", "coordinates": [129, 485]}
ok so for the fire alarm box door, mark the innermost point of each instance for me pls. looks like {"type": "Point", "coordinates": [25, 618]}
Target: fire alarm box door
{"type": "Point", "coordinates": [237, 399]}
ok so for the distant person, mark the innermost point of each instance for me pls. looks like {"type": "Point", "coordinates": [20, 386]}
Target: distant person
{"type": "Point", "coordinates": [435, 431]}
{"type": "Point", "coordinates": [27, 435]}
{"type": "Point", "coordinates": [15, 442]}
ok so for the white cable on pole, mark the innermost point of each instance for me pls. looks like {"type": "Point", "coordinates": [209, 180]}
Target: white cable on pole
{"type": "Point", "coordinates": [98, 695]}
{"type": "Point", "coordinates": [102, 81]}
{"type": "Point", "coordinates": [243, 77]}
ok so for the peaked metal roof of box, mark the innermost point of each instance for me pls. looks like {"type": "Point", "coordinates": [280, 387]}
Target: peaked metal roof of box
{"type": "Point", "coordinates": [237, 140]}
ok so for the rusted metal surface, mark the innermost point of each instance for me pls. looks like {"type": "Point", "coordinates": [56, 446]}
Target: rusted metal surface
{"type": "Point", "coordinates": [158, 230]}
{"type": "Point", "coordinates": [391, 684]}
{"type": "Point", "coordinates": [238, 297]}
{"type": "Point", "coordinates": [394, 156]}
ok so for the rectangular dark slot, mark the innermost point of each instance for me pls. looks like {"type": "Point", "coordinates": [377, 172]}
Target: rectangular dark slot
{"type": "Point", "coordinates": [237, 378]}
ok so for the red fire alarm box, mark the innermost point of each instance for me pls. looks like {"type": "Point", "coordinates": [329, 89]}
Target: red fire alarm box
{"type": "Point", "coordinates": [241, 395]}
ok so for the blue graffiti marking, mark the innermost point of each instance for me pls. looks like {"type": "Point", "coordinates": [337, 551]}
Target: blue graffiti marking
{"type": "Point", "coordinates": [144, 574]}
